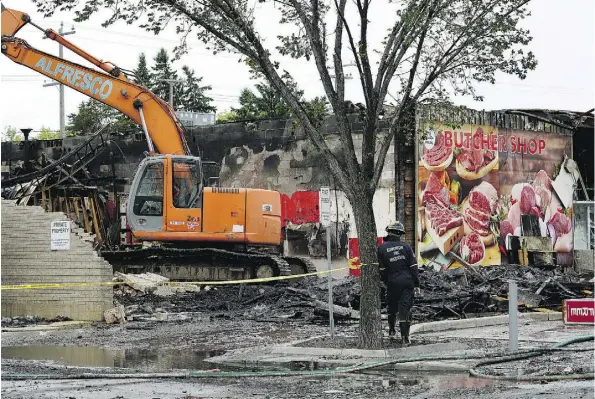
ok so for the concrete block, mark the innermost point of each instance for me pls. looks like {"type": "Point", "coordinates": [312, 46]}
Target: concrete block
{"type": "Point", "coordinates": [449, 325]}
{"type": "Point", "coordinates": [555, 316]}
{"type": "Point", "coordinates": [27, 259]}
{"type": "Point", "coordinates": [115, 315]}
{"type": "Point", "coordinates": [535, 316]}
{"type": "Point", "coordinates": [491, 321]}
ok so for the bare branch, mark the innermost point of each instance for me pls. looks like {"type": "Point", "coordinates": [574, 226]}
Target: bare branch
{"type": "Point", "coordinates": [352, 46]}
{"type": "Point", "coordinates": [241, 47]}
{"type": "Point", "coordinates": [337, 58]}
{"type": "Point", "coordinates": [393, 124]}
{"type": "Point", "coordinates": [453, 51]}
{"type": "Point", "coordinates": [393, 43]}
{"type": "Point", "coordinates": [339, 110]}
{"type": "Point", "coordinates": [363, 53]}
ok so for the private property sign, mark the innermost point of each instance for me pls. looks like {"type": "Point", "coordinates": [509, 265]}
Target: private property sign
{"type": "Point", "coordinates": [579, 311]}
{"type": "Point", "coordinates": [325, 206]}
{"type": "Point", "coordinates": [60, 238]}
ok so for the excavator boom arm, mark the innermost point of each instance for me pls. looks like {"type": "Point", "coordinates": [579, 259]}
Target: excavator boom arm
{"type": "Point", "coordinates": [112, 88]}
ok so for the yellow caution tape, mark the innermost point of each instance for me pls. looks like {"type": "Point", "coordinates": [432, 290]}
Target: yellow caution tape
{"type": "Point", "coordinates": [352, 266]}
{"type": "Point", "coordinates": [229, 282]}
{"type": "Point", "coordinates": [352, 263]}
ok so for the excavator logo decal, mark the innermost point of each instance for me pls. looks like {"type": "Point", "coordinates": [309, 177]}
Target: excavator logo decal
{"type": "Point", "coordinates": [84, 80]}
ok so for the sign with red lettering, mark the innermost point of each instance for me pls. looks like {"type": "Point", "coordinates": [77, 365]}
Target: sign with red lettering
{"type": "Point", "coordinates": [480, 140]}
{"type": "Point", "coordinates": [579, 311]}
{"type": "Point", "coordinates": [477, 183]}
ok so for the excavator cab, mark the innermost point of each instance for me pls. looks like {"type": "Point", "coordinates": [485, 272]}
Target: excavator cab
{"type": "Point", "coordinates": [164, 183]}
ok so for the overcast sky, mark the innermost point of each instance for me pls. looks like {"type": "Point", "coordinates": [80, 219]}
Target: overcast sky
{"type": "Point", "coordinates": [563, 43]}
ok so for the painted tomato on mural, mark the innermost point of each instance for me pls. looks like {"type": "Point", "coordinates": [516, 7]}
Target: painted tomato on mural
{"type": "Point", "coordinates": [479, 186]}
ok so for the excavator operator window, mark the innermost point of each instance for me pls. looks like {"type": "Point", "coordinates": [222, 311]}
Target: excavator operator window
{"type": "Point", "coordinates": [148, 200]}
{"type": "Point", "coordinates": [187, 184]}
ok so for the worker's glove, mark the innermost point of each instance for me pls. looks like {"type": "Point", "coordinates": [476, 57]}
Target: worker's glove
{"type": "Point", "coordinates": [417, 291]}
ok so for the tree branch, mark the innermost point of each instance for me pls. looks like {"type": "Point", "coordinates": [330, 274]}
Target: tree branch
{"type": "Point", "coordinates": [337, 58]}
{"type": "Point", "coordinates": [352, 47]}
{"type": "Point", "coordinates": [242, 48]}
{"type": "Point", "coordinates": [338, 107]}
{"type": "Point", "coordinates": [395, 39]}
{"type": "Point", "coordinates": [453, 51]}
{"type": "Point", "coordinates": [363, 53]}
{"type": "Point", "coordinates": [408, 33]}
{"type": "Point", "coordinates": [405, 101]}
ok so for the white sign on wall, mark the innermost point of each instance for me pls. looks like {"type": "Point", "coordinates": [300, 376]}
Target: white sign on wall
{"type": "Point", "coordinates": [325, 206]}
{"type": "Point", "coordinates": [60, 239]}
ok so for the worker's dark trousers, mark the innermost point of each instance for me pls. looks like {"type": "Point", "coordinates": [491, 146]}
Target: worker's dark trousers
{"type": "Point", "coordinates": [399, 301]}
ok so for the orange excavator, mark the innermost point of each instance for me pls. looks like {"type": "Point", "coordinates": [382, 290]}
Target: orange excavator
{"type": "Point", "coordinates": [207, 233]}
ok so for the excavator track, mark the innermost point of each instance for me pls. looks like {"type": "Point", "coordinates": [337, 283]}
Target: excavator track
{"type": "Point", "coordinates": [205, 264]}
{"type": "Point", "coordinates": [300, 264]}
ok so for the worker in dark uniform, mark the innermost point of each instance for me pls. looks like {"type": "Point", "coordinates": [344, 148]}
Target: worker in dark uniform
{"type": "Point", "coordinates": [398, 268]}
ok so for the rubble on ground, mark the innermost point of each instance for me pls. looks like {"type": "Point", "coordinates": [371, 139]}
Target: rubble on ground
{"type": "Point", "coordinates": [22, 321]}
{"type": "Point", "coordinates": [459, 293]}
{"type": "Point", "coordinates": [462, 293]}
{"type": "Point", "coordinates": [150, 283]}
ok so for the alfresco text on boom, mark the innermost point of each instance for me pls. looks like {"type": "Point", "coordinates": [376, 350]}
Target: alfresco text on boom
{"type": "Point", "coordinates": [84, 80]}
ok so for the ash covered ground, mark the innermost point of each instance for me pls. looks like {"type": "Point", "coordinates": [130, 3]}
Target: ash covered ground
{"type": "Point", "coordinates": [171, 332]}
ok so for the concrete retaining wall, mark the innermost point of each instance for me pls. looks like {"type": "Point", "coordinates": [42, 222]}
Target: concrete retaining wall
{"type": "Point", "coordinates": [27, 259]}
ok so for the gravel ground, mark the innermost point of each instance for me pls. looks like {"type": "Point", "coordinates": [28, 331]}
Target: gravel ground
{"type": "Point", "coordinates": [209, 332]}
{"type": "Point", "coordinates": [567, 362]}
{"type": "Point", "coordinates": [200, 333]}
{"type": "Point", "coordinates": [354, 386]}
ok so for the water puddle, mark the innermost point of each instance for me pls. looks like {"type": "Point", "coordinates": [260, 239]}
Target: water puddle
{"type": "Point", "coordinates": [89, 356]}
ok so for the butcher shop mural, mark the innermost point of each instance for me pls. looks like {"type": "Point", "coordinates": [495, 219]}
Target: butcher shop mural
{"type": "Point", "coordinates": [475, 182]}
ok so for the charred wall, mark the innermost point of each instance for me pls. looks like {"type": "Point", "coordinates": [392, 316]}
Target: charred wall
{"type": "Point", "coordinates": [273, 154]}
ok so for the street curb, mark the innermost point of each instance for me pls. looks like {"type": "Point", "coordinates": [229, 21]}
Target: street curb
{"type": "Point", "coordinates": [60, 325]}
{"type": "Point", "coordinates": [288, 350]}
{"type": "Point", "coordinates": [445, 325]}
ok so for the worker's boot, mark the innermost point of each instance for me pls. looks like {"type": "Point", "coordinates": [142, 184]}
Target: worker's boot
{"type": "Point", "coordinates": [391, 325]}
{"type": "Point", "coordinates": [404, 327]}
{"type": "Point", "coordinates": [407, 328]}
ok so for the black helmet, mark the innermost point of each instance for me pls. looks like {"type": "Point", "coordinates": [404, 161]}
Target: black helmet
{"type": "Point", "coordinates": [395, 228]}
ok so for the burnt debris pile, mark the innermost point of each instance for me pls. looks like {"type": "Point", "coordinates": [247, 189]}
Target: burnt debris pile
{"type": "Point", "coordinates": [459, 293]}
{"type": "Point", "coordinates": [463, 293]}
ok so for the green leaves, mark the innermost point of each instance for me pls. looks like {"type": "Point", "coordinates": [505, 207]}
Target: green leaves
{"type": "Point", "coordinates": [266, 103]}
{"type": "Point", "coordinates": [189, 95]}
{"type": "Point", "coordinates": [93, 114]}
{"type": "Point", "coordinates": [161, 71]}
{"type": "Point", "coordinates": [12, 134]}
{"type": "Point", "coordinates": [142, 75]}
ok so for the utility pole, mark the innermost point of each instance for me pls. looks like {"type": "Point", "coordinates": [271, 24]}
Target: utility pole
{"type": "Point", "coordinates": [171, 89]}
{"type": "Point", "coordinates": [61, 86]}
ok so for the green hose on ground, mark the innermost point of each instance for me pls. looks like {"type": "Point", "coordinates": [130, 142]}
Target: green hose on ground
{"type": "Point", "coordinates": [235, 374]}
{"type": "Point", "coordinates": [521, 356]}
{"type": "Point", "coordinates": [320, 373]}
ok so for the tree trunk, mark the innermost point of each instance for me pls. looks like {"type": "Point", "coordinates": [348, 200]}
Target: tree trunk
{"type": "Point", "coordinates": [370, 334]}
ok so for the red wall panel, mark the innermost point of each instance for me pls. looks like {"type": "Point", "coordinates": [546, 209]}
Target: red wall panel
{"type": "Point", "coordinates": [301, 207]}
